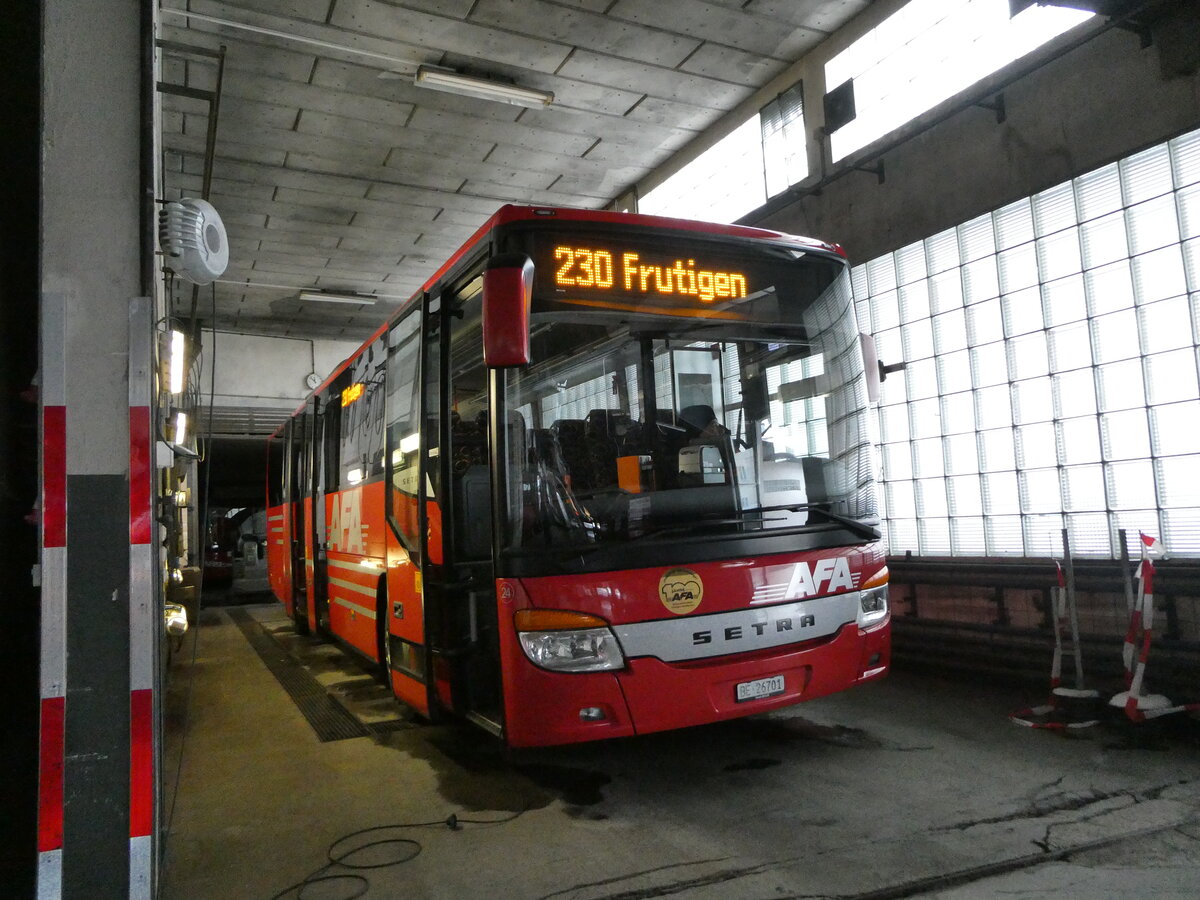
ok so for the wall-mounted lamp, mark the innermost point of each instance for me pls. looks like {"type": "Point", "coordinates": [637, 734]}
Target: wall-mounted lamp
{"type": "Point", "coordinates": [483, 88]}
{"type": "Point", "coordinates": [337, 297]}
{"type": "Point", "coordinates": [177, 365]}
{"type": "Point", "coordinates": [181, 422]}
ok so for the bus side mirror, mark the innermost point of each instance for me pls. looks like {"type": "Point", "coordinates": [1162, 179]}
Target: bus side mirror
{"type": "Point", "coordinates": [877, 372]}
{"type": "Point", "coordinates": [507, 291]}
{"type": "Point", "coordinates": [871, 365]}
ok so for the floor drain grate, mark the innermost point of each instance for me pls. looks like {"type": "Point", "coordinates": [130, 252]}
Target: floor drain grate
{"type": "Point", "coordinates": [328, 718]}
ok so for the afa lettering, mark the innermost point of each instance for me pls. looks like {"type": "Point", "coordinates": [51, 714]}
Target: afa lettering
{"type": "Point", "coordinates": [346, 528]}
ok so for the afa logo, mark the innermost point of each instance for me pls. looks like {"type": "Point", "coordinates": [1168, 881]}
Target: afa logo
{"type": "Point", "coordinates": [346, 528]}
{"type": "Point", "coordinates": [681, 591]}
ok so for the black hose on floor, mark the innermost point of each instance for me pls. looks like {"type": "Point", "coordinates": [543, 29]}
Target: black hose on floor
{"type": "Point", "coordinates": [343, 851]}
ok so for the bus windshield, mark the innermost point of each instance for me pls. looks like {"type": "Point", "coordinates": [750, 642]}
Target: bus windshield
{"type": "Point", "coordinates": [638, 422]}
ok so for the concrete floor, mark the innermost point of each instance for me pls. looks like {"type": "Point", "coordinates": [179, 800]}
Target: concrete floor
{"type": "Point", "coordinates": [916, 786]}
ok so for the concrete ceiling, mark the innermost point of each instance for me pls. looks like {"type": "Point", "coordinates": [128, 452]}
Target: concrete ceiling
{"type": "Point", "coordinates": [334, 171]}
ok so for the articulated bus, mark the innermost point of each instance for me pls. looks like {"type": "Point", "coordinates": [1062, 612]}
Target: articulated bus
{"type": "Point", "coordinates": [604, 475]}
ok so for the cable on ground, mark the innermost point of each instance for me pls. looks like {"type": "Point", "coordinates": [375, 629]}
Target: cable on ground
{"type": "Point", "coordinates": [342, 854]}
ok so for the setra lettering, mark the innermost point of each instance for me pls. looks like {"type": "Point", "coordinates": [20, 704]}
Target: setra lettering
{"type": "Point", "coordinates": [738, 632]}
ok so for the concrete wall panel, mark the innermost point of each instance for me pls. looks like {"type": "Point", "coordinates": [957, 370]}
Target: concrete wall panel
{"type": "Point", "coordinates": [252, 370]}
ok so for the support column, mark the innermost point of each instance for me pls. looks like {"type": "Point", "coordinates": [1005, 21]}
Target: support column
{"type": "Point", "coordinates": [101, 610]}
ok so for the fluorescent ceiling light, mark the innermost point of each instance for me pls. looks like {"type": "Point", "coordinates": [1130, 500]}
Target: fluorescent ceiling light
{"type": "Point", "coordinates": [453, 83]}
{"type": "Point", "coordinates": [337, 297]}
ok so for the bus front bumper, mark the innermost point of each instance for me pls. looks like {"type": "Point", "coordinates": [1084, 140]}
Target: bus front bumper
{"type": "Point", "coordinates": [545, 708]}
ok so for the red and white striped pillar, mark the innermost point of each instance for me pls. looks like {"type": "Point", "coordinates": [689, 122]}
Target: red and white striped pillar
{"type": "Point", "coordinates": [53, 503]}
{"type": "Point", "coordinates": [101, 612]}
{"type": "Point", "coordinates": [145, 602]}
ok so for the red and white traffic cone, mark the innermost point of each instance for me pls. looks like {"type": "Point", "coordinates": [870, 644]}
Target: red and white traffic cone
{"type": "Point", "coordinates": [1060, 710]}
{"type": "Point", "coordinates": [1139, 706]}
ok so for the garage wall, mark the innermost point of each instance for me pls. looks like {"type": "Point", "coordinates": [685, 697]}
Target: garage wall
{"type": "Point", "coordinates": [1085, 107]}
{"type": "Point", "coordinates": [266, 372]}
{"type": "Point", "coordinates": [1092, 103]}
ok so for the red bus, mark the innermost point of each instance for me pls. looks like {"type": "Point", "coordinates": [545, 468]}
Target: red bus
{"type": "Point", "coordinates": [604, 475]}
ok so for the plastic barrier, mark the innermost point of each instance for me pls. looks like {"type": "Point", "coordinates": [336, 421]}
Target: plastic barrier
{"type": "Point", "coordinates": [1139, 706]}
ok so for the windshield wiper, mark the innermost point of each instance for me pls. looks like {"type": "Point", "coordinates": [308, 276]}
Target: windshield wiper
{"type": "Point", "coordinates": [859, 528]}
{"type": "Point", "coordinates": [691, 526]}
{"type": "Point", "coordinates": [751, 517]}
{"type": "Point", "coordinates": [746, 517]}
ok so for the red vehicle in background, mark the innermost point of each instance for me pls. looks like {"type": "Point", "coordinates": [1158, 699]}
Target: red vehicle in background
{"type": "Point", "coordinates": [220, 550]}
{"type": "Point", "coordinates": [604, 475]}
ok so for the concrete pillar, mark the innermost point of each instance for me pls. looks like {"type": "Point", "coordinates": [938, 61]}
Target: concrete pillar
{"type": "Point", "coordinates": [20, 51]}
{"type": "Point", "coordinates": [98, 571]}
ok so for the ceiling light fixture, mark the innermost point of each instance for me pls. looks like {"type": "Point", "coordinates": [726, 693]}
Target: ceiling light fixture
{"type": "Point", "coordinates": [289, 33]}
{"type": "Point", "coordinates": [337, 297]}
{"type": "Point", "coordinates": [485, 89]}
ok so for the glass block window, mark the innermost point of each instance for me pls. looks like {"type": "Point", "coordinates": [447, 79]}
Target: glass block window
{"type": "Point", "coordinates": [929, 50]}
{"type": "Point", "coordinates": [1053, 380]}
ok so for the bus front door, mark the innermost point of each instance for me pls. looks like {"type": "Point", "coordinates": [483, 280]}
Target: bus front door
{"type": "Point", "coordinates": [297, 519]}
{"type": "Point", "coordinates": [461, 590]}
{"type": "Point", "coordinates": [311, 509]}
{"type": "Point", "coordinates": [325, 423]}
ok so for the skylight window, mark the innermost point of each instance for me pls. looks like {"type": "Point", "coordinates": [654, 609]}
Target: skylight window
{"type": "Point", "coordinates": [928, 51]}
{"type": "Point", "coordinates": [784, 146]}
{"type": "Point", "coordinates": [721, 185]}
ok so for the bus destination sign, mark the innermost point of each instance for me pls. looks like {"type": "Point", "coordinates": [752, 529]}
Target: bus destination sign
{"type": "Point", "coordinates": [666, 275]}
{"type": "Point", "coordinates": [634, 272]}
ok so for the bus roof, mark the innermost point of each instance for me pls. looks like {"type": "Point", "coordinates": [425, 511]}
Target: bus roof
{"type": "Point", "coordinates": [510, 213]}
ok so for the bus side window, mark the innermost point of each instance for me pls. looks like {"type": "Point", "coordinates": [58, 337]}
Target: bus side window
{"type": "Point", "coordinates": [403, 430]}
{"type": "Point", "coordinates": [362, 433]}
{"type": "Point", "coordinates": [275, 447]}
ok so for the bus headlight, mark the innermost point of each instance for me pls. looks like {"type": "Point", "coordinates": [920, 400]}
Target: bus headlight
{"type": "Point", "coordinates": [568, 641]}
{"type": "Point", "coordinates": [872, 605]}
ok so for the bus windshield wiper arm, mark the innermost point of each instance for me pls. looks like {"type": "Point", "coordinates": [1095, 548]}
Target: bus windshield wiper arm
{"type": "Point", "coordinates": [854, 525]}
{"type": "Point", "coordinates": [860, 528]}
{"type": "Point", "coordinates": [691, 526]}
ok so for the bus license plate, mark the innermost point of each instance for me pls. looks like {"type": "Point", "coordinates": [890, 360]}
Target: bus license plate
{"type": "Point", "coordinates": [760, 688]}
